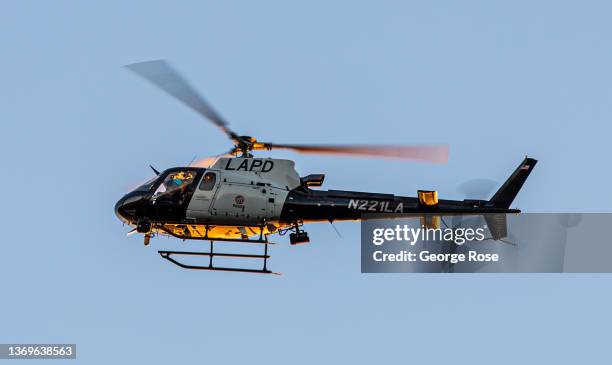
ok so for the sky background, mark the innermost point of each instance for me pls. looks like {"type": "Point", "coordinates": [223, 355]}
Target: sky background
{"type": "Point", "coordinates": [496, 81]}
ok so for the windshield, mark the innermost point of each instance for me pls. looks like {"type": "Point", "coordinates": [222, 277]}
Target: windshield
{"type": "Point", "coordinates": [175, 181]}
{"type": "Point", "coordinates": [146, 186]}
{"type": "Point", "coordinates": [175, 190]}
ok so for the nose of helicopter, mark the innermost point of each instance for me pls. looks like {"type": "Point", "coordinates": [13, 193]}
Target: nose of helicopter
{"type": "Point", "coordinates": [120, 211]}
{"type": "Point", "coordinates": [125, 208]}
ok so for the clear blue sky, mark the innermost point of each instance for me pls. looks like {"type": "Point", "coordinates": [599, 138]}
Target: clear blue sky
{"type": "Point", "coordinates": [495, 81]}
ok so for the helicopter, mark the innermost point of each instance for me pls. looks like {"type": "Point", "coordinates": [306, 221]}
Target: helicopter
{"type": "Point", "coordinates": [242, 198]}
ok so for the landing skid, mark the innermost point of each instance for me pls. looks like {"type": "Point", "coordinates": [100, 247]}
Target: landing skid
{"type": "Point", "coordinates": [168, 256]}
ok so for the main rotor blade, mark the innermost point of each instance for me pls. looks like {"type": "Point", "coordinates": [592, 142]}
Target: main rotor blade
{"type": "Point", "coordinates": [161, 74]}
{"type": "Point", "coordinates": [434, 154]}
{"type": "Point", "coordinates": [209, 161]}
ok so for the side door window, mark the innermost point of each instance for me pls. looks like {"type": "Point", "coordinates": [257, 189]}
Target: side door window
{"type": "Point", "coordinates": [208, 181]}
{"type": "Point", "coordinates": [204, 195]}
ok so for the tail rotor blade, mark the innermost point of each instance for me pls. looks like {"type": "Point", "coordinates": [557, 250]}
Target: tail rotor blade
{"type": "Point", "coordinates": [477, 188]}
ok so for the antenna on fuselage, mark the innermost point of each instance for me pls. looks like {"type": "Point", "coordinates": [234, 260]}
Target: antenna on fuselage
{"type": "Point", "coordinates": [335, 229]}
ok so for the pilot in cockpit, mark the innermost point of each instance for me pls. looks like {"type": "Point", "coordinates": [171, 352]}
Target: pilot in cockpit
{"type": "Point", "coordinates": [178, 180]}
{"type": "Point", "coordinates": [173, 186]}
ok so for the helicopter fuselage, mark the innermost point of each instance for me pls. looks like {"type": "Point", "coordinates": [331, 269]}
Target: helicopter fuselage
{"type": "Point", "coordinates": [240, 197]}
{"type": "Point", "coordinates": [237, 198]}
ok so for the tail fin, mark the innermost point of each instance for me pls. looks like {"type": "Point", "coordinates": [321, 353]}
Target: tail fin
{"type": "Point", "coordinates": [506, 194]}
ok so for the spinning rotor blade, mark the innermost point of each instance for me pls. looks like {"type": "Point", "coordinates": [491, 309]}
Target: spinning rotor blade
{"type": "Point", "coordinates": [209, 161]}
{"type": "Point", "coordinates": [161, 74]}
{"type": "Point", "coordinates": [435, 154]}
{"type": "Point", "coordinates": [477, 188]}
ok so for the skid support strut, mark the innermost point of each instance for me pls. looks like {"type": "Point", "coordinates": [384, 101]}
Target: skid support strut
{"type": "Point", "coordinates": [171, 256]}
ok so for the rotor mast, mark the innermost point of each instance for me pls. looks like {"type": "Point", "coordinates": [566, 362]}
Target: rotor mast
{"type": "Point", "coordinates": [245, 145]}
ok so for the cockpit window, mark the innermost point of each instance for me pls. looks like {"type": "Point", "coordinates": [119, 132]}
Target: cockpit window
{"type": "Point", "coordinates": [208, 181]}
{"type": "Point", "coordinates": [174, 182]}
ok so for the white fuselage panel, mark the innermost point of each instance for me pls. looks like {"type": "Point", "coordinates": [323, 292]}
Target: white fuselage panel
{"type": "Point", "coordinates": [247, 191]}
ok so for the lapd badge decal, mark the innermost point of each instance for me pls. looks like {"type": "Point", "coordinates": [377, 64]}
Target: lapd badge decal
{"type": "Point", "coordinates": [239, 200]}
